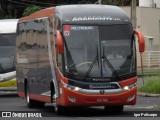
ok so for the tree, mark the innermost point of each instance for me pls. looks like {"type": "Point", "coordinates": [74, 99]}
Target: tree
{"type": "Point", "coordinates": [117, 2]}
{"type": "Point", "coordinates": [31, 9]}
{"type": "Point", "coordinates": [15, 8]}
{"type": "Point", "coordinates": [109, 2]}
{"type": "Point", "coordinates": [6, 10]}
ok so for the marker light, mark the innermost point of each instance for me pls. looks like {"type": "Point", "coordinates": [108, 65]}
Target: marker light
{"type": "Point", "coordinates": [130, 98]}
{"type": "Point", "coordinates": [72, 99]}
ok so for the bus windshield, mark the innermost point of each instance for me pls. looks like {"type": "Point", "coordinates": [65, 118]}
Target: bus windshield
{"type": "Point", "coordinates": [99, 51]}
{"type": "Point", "coordinates": [7, 52]}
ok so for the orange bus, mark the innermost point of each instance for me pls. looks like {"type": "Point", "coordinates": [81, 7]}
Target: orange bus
{"type": "Point", "coordinates": [77, 55]}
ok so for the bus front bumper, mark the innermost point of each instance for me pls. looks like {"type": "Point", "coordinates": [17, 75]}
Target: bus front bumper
{"type": "Point", "coordinates": [100, 98]}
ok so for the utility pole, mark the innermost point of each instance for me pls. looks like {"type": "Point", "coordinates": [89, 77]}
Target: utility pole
{"type": "Point", "coordinates": [133, 13]}
{"type": "Point", "coordinates": [134, 23]}
{"type": "Point", "coordinates": [100, 1]}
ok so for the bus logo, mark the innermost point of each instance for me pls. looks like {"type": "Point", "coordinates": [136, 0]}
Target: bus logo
{"type": "Point", "coordinates": [100, 86]}
{"type": "Point", "coordinates": [95, 18]}
{"type": "Point", "coordinates": [102, 91]}
{"type": "Point", "coordinates": [67, 29]}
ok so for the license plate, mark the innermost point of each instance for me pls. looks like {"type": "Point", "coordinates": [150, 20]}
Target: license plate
{"type": "Point", "coordinates": [100, 100]}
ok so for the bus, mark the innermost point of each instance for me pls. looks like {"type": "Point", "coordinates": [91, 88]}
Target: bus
{"type": "Point", "coordinates": [77, 55]}
{"type": "Point", "coordinates": [7, 54]}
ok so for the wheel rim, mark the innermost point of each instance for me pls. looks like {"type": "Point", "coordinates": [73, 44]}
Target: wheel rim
{"type": "Point", "coordinates": [28, 99]}
{"type": "Point", "coordinates": [56, 108]}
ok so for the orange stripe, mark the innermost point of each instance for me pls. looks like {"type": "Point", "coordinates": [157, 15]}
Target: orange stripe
{"type": "Point", "coordinates": [35, 97]}
{"type": "Point", "coordinates": [21, 94]}
{"type": "Point", "coordinates": [40, 98]}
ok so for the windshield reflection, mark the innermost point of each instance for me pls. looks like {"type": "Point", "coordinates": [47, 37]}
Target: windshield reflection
{"type": "Point", "coordinates": [7, 53]}
{"type": "Point", "coordinates": [98, 51]}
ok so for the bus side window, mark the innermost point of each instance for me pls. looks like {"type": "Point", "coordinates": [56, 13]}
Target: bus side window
{"type": "Point", "coordinates": [57, 23]}
{"type": "Point", "coordinates": [58, 59]}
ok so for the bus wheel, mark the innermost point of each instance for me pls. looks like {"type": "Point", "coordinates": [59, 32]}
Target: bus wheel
{"type": "Point", "coordinates": [32, 103]}
{"type": "Point", "coordinates": [59, 109]}
{"type": "Point", "coordinates": [114, 109]}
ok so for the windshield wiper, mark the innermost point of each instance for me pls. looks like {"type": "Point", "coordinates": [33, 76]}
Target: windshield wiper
{"type": "Point", "coordinates": [110, 66]}
{"type": "Point", "coordinates": [90, 68]}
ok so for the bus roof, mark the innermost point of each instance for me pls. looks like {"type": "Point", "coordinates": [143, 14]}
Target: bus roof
{"type": "Point", "coordinates": [83, 14]}
{"type": "Point", "coordinates": [91, 14]}
{"type": "Point", "coordinates": [8, 26]}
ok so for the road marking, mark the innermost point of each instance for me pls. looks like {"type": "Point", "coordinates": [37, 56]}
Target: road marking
{"type": "Point", "coordinates": [8, 92]}
{"type": "Point", "coordinates": [87, 118]}
{"type": "Point", "coordinates": [139, 107]}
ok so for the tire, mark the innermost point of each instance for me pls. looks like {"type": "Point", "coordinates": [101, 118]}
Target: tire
{"type": "Point", "coordinates": [59, 110]}
{"type": "Point", "coordinates": [32, 103]}
{"type": "Point", "coordinates": [114, 109]}
{"type": "Point", "coordinates": [53, 98]}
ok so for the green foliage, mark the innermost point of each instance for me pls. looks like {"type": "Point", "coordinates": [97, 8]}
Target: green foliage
{"type": "Point", "coordinates": [31, 9]}
{"type": "Point", "coordinates": [111, 2]}
{"type": "Point", "coordinates": [108, 2]}
{"type": "Point", "coordinates": [153, 86]}
{"type": "Point", "coordinates": [117, 2]}
{"type": "Point", "coordinates": [149, 74]}
{"type": "Point", "coordinates": [12, 10]}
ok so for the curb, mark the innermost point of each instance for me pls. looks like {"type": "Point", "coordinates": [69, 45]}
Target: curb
{"type": "Point", "coordinates": [147, 94]}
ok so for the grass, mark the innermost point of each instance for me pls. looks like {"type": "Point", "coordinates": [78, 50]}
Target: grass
{"type": "Point", "coordinates": [149, 74]}
{"type": "Point", "coordinates": [152, 86]}
{"type": "Point", "coordinates": [157, 106]}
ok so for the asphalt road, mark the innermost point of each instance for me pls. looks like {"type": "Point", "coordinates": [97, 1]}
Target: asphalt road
{"type": "Point", "coordinates": [11, 102]}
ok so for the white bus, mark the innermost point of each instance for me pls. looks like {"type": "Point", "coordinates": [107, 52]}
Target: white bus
{"type": "Point", "coordinates": [7, 54]}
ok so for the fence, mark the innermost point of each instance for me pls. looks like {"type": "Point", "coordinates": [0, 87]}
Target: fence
{"type": "Point", "coordinates": [150, 59]}
{"type": "Point", "coordinates": [151, 67]}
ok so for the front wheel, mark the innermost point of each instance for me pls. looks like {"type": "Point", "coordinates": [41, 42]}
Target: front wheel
{"type": "Point", "coordinates": [114, 109]}
{"type": "Point", "coordinates": [59, 109]}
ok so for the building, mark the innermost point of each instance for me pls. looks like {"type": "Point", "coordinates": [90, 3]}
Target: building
{"type": "Point", "coordinates": [149, 3]}
{"type": "Point", "coordinates": [148, 22]}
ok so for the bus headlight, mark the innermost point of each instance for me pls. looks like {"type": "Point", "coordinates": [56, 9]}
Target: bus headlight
{"type": "Point", "coordinates": [70, 87]}
{"type": "Point", "coordinates": [76, 88]}
{"type": "Point", "coordinates": [126, 88]}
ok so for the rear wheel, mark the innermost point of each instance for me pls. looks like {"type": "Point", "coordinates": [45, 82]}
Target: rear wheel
{"type": "Point", "coordinates": [32, 103]}
{"type": "Point", "coordinates": [114, 109]}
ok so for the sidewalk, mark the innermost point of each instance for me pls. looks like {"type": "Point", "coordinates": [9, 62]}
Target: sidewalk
{"type": "Point", "coordinates": [147, 94]}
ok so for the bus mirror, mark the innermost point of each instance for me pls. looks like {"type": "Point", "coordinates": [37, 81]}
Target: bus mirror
{"type": "Point", "coordinates": [140, 41]}
{"type": "Point", "coordinates": [59, 43]}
